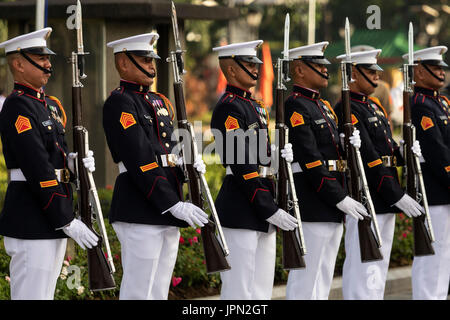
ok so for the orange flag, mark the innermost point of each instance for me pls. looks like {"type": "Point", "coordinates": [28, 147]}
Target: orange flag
{"type": "Point", "coordinates": [267, 76]}
{"type": "Point", "coordinates": [221, 83]}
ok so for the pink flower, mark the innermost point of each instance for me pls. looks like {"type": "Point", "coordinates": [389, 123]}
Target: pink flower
{"type": "Point", "coordinates": [198, 231]}
{"type": "Point", "coordinates": [203, 262]}
{"type": "Point", "coordinates": [401, 216]}
{"type": "Point", "coordinates": [116, 256]}
{"type": "Point", "coordinates": [69, 258]}
{"type": "Point", "coordinates": [181, 240]}
{"type": "Point", "coordinates": [195, 239]}
{"type": "Point", "coordinates": [108, 187]}
{"type": "Point", "coordinates": [190, 241]}
{"type": "Point", "coordinates": [404, 234]}
{"type": "Point", "coordinates": [7, 278]}
{"type": "Point", "coordinates": [176, 281]}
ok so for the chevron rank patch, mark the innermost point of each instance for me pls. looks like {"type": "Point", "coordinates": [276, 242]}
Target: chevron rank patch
{"type": "Point", "coordinates": [149, 166]}
{"type": "Point", "coordinates": [354, 120]}
{"type": "Point", "coordinates": [22, 124]}
{"type": "Point", "coordinates": [426, 123]}
{"type": "Point", "coordinates": [49, 183]}
{"type": "Point", "coordinates": [231, 123]}
{"type": "Point", "coordinates": [127, 120]}
{"type": "Point", "coordinates": [296, 119]}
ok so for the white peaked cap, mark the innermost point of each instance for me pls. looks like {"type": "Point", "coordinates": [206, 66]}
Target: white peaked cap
{"type": "Point", "coordinates": [242, 49]}
{"type": "Point", "coordinates": [141, 44]}
{"type": "Point", "coordinates": [368, 58]}
{"type": "Point", "coordinates": [316, 49]}
{"type": "Point", "coordinates": [35, 42]}
{"type": "Point", "coordinates": [432, 55]}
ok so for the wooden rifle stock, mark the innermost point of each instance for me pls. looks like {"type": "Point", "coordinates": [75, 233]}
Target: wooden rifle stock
{"type": "Point", "coordinates": [292, 256]}
{"type": "Point", "coordinates": [100, 275]}
{"type": "Point", "coordinates": [214, 255]}
{"type": "Point", "coordinates": [367, 242]}
{"type": "Point", "coordinates": [422, 239]}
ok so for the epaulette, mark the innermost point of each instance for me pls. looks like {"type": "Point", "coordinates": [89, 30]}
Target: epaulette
{"type": "Point", "coordinates": [17, 92]}
{"type": "Point", "coordinates": [325, 102]}
{"type": "Point", "coordinates": [378, 103]}
{"type": "Point", "coordinates": [167, 103]}
{"type": "Point", "coordinates": [117, 90]}
{"type": "Point", "coordinates": [64, 117]}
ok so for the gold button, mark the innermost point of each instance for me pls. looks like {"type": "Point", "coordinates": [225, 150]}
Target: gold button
{"type": "Point", "coordinates": [164, 134]}
{"type": "Point", "coordinates": [171, 122]}
{"type": "Point", "coordinates": [161, 124]}
{"type": "Point", "coordinates": [167, 145]}
{"type": "Point", "coordinates": [49, 127]}
{"type": "Point", "coordinates": [38, 95]}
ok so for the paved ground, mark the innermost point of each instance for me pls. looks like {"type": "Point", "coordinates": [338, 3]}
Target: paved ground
{"type": "Point", "coordinates": [398, 287]}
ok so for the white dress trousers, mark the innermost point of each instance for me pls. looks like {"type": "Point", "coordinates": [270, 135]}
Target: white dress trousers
{"type": "Point", "coordinates": [313, 282]}
{"type": "Point", "coordinates": [431, 274]}
{"type": "Point", "coordinates": [34, 267]}
{"type": "Point", "coordinates": [149, 253]}
{"type": "Point", "coordinates": [252, 260]}
{"type": "Point", "coordinates": [366, 281]}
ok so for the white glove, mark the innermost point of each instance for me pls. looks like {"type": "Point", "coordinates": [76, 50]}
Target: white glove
{"type": "Point", "coordinates": [79, 232]}
{"type": "Point", "coordinates": [190, 213]}
{"type": "Point", "coordinates": [352, 207]}
{"type": "Point", "coordinates": [287, 152]}
{"type": "Point", "coordinates": [89, 161]}
{"type": "Point", "coordinates": [416, 148]}
{"type": "Point", "coordinates": [355, 140]}
{"type": "Point", "coordinates": [283, 220]}
{"type": "Point", "coordinates": [199, 165]}
{"type": "Point", "coordinates": [71, 161]}
{"type": "Point", "coordinates": [409, 206]}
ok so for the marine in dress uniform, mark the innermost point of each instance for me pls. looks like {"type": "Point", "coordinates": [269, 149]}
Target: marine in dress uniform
{"type": "Point", "coordinates": [147, 207]}
{"type": "Point", "coordinates": [319, 173]}
{"type": "Point", "coordinates": [430, 115]}
{"type": "Point", "coordinates": [380, 155]}
{"type": "Point", "coordinates": [245, 203]}
{"type": "Point", "coordinates": [37, 216]}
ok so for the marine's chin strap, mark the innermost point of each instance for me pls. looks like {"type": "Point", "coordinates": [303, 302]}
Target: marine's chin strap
{"type": "Point", "coordinates": [148, 74]}
{"type": "Point", "coordinates": [432, 73]}
{"type": "Point", "coordinates": [365, 77]}
{"type": "Point", "coordinates": [50, 71]}
{"type": "Point", "coordinates": [325, 75]}
{"type": "Point", "coordinates": [245, 69]}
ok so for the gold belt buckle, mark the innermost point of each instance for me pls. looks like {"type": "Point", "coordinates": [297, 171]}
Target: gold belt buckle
{"type": "Point", "coordinates": [63, 175]}
{"type": "Point", "coordinates": [331, 165]}
{"type": "Point", "coordinates": [394, 161]}
{"type": "Point", "coordinates": [171, 160]}
{"type": "Point", "coordinates": [341, 165]}
{"type": "Point", "coordinates": [386, 161]}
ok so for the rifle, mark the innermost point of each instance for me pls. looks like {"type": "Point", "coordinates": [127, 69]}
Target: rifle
{"type": "Point", "coordinates": [215, 251]}
{"type": "Point", "coordinates": [100, 269]}
{"type": "Point", "coordinates": [369, 242]}
{"type": "Point", "coordinates": [423, 236]}
{"type": "Point", "coordinates": [293, 242]}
